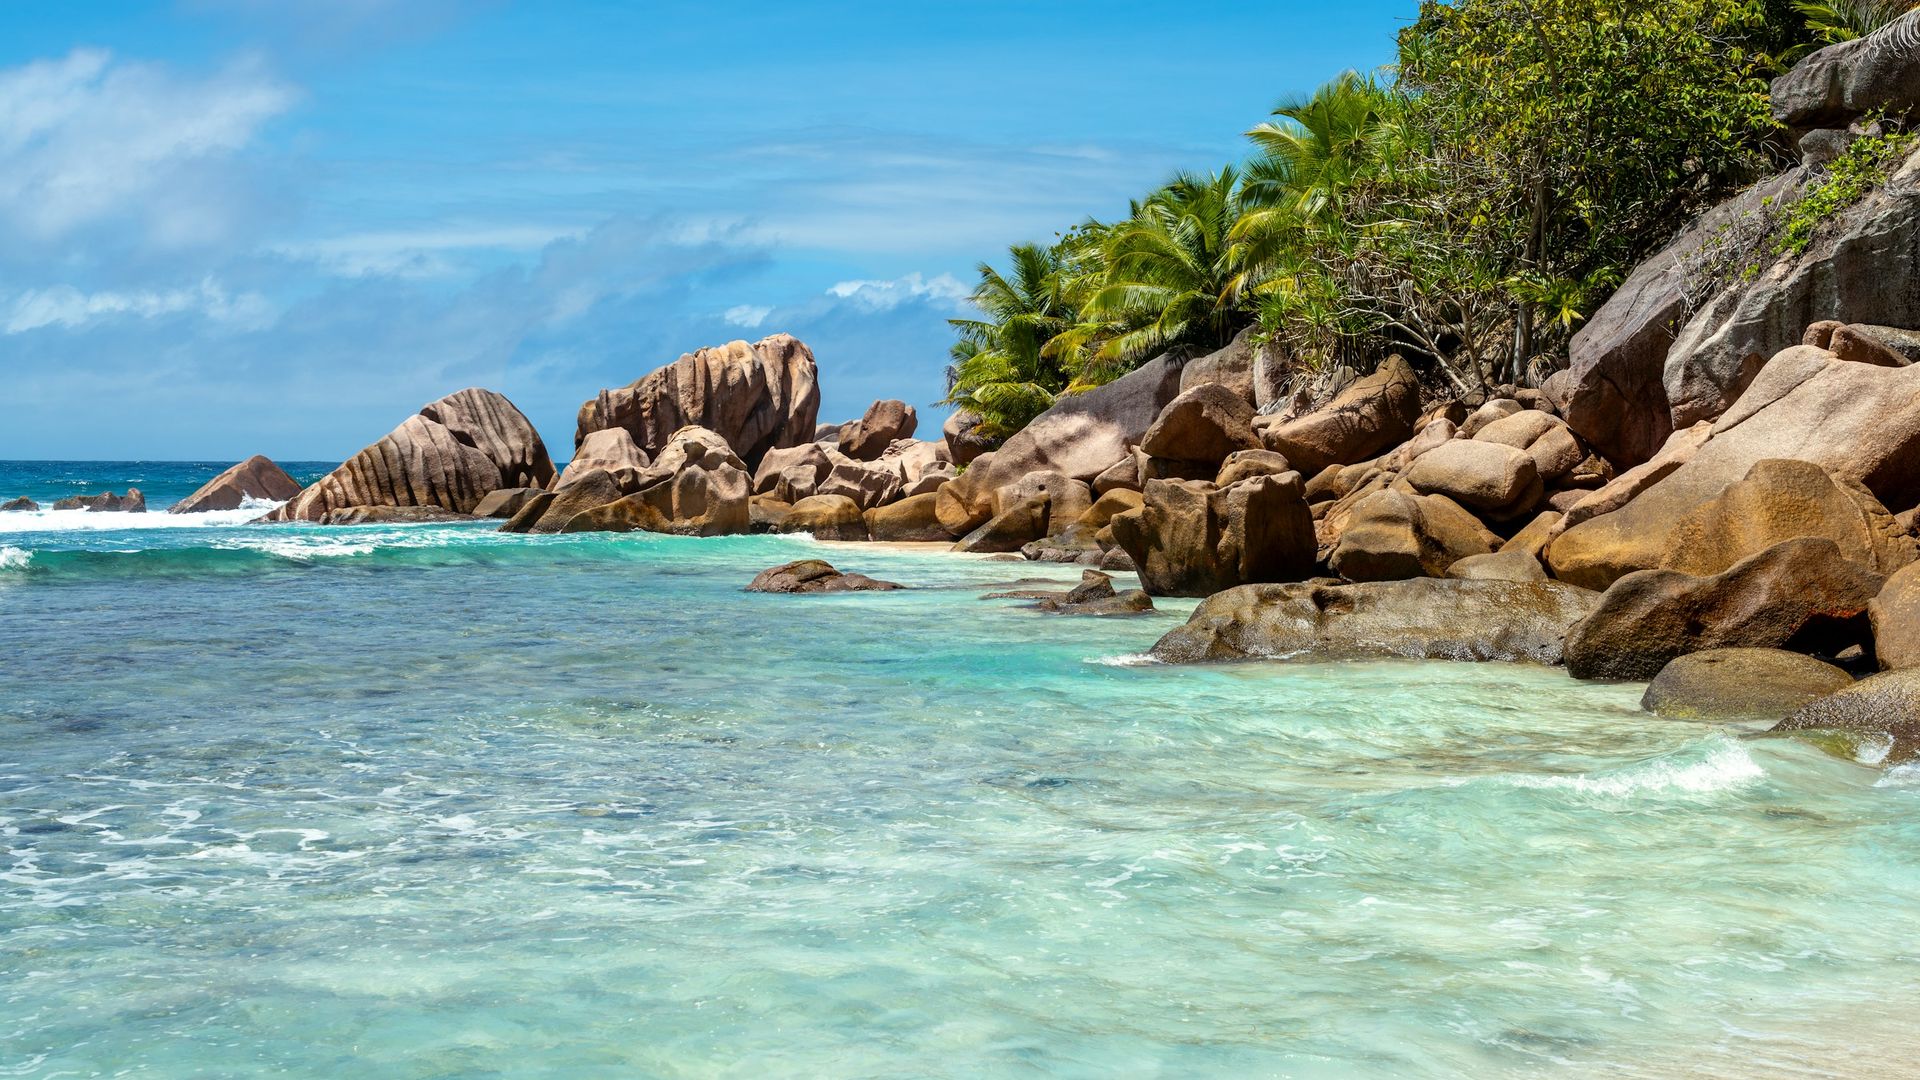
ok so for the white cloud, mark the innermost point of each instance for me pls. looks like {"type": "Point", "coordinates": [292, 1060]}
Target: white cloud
{"type": "Point", "coordinates": [885, 295]}
{"type": "Point", "coordinates": [422, 253]}
{"type": "Point", "coordinates": [747, 315]}
{"type": "Point", "coordinates": [67, 307]}
{"type": "Point", "coordinates": [87, 139]}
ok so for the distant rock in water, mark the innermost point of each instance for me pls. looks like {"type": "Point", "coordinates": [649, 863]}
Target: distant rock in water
{"type": "Point", "coordinates": [757, 397]}
{"type": "Point", "coordinates": [21, 503]}
{"type": "Point", "coordinates": [1095, 595]}
{"type": "Point", "coordinates": [131, 503]}
{"type": "Point", "coordinates": [815, 576]}
{"type": "Point", "coordinates": [451, 455]}
{"type": "Point", "coordinates": [255, 478]}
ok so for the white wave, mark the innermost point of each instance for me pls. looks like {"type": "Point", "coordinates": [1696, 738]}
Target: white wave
{"type": "Point", "coordinates": [303, 547]}
{"type": "Point", "coordinates": [1727, 767]}
{"type": "Point", "coordinates": [37, 521]}
{"type": "Point", "coordinates": [1905, 775]}
{"type": "Point", "coordinates": [12, 558]}
{"type": "Point", "coordinates": [1123, 660]}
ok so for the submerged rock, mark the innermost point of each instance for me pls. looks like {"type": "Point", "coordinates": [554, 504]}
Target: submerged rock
{"type": "Point", "coordinates": [255, 478]}
{"type": "Point", "coordinates": [131, 503]}
{"type": "Point", "coordinates": [1424, 618]}
{"type": "Point", "coordinates": [1876, 719]}
{"type": "Point", "coordinates": [1095, 595]}
{"type": "Point", "coordinates": [1740, 684]}
{"type": "Point", "coordinates": [815, 576]}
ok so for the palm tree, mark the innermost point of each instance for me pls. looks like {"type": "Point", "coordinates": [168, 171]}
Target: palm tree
{"type": "Point", "coordinates": [1001, 371]}
{"type": "Point", "coordinates": [1320, 146]}
{"type": "Point", "coordinates": [1173, 276]}
{"type": "Point", "coordinates": [1834, 21]}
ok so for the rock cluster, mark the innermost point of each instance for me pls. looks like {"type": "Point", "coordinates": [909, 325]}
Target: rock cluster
{"type": "Point", "coordinates": [131, 503]}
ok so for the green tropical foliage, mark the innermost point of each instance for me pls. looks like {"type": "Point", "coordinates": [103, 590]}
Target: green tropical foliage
{"type": "Point", "coordinates": [1834, 21]}
{"type": "Point", "coordinates": [1468, 209]}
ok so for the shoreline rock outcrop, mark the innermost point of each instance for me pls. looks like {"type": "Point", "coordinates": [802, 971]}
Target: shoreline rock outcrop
{"type": "Point", "coordinates": [451, 454]}
{"type": "Point", "coordinates": [758, 397]}
{"type": "Point", "coordinates": [256, 478]}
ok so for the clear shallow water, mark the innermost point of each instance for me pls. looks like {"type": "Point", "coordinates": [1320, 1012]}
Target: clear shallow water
{"type": "Point", "coordinates": [434, 802]}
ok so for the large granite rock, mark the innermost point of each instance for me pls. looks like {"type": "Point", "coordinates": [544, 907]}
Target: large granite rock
{"type": "Point", "coordinates": [450, 455]}
{"type": "Point", "coordinates": [1740, 684]}
{"type": "Point", "coordinates": [884, 421]}
{"type": "Point", "coordinates": [256, 478]}
{"type": "Point", "coordinates": [827, 517]}
{"type": "Point", "coordinates": [1192, 538]}
{"type": "Point", "coordinates": [1201, 427]}
{"type": "Point", "coordinates": [504, 502]}
{"type": "Point", "coordinates": [1391, 535]}
{"type": "Point", "coordinates": [1426, 618]}
{"type": "Point", "coordinates": [1231, 367]}
{"type": "Point", "coordinates": [758, 397]}
{"type": "Point", "coordinates": [1617, 397]}
{"type": "Point", "coordinates": [390, 515]}
{"type": "Point", "coordinates": [911, 519]}
{"type": "Point", "coordinates": [1374, 414]}
{"type": "Point", "coordinates": [611, 450]}
{"type": "Point", "coordinates": [1895, 615]}
{"type": "Point", "coordinates": [1488, 476]}
{"type": "Point", "coordinates": [962, 435]}
{"type": "Point", "coordinates": [814, 576]}
{"type": "Point", "coordinates": [1781, 499]}
{"type": "Point", "coordinates": [550, 511]}
{"type": "Point", "coordinates": [1842, 83]}
{"type": "Point", "coordinates": [1859, 422]}
{"type": "Point", "coordinates": [869, 484]}
{"type": "Point", "coordinates": [21, 504]}
{"type": "Point", "coordinates": [1876, 719]}
{"type": "Point", "coordinates": [697, 487]}
{"type": "Point", "coordinates": [1083, 434]}
{"type": "Point", "coordinates": [1009, 530]}
{"type": "Point", "coordinates": [1802, 595]}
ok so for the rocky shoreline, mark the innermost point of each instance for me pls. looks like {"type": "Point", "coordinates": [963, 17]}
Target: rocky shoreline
{"type": "Point", "coordinates": [1720, 496]}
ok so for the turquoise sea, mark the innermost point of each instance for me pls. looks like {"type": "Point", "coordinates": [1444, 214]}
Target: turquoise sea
{"type": "Point", "coordinates": [432, 801]}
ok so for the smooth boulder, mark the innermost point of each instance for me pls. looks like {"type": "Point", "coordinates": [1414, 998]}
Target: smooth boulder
{"type": "Point", "coordinates": [1083, 434]}
{"type": "Point", "coordinates": [1782, 499]}
{"type": "Point", "coordinates": [814, 576]}
{"type": "Point", "coordinates": [1392, 535]}
{"type": "Point", "coordinates": [1424, 618]}
{"type": "Point", "coordinates": [1202, 426]}
{"type": "Point", "coordinates": [1876, 719]}
{"type": "Point", "coordinates": [1740, 684]}
{"type": "Point", "coordinates": [884, 421]}
{"type": "Point", "coordinates": [1373, 415]}
{"type": "Point", "coordinates": [912, 519]}
{"type": "Point", "coordinates": [256, 479]}
{"type": "Point", "coordinates": [610, 449]}
{"type": "Point", "coordinates": [1192, 538]}
{"type": "Point", "coordinates": [827, 517]}
{"type": "Point", "coordinates": [1801, 595]}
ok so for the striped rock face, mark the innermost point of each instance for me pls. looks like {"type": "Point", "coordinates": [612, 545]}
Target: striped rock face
{"type": "Point", "coordinates": [758, 397]}
{"type": "Point", "coordinates": [450, 455]}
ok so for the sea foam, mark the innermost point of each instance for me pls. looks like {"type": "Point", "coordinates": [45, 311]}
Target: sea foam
{"type": "Point", "coordinates": [1726, 767]}
{"type": "Point", "coordinates": [38, 521]}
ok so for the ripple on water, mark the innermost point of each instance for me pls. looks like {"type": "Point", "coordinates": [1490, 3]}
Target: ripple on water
{"type": "Point", "coordinates": [467, 803]}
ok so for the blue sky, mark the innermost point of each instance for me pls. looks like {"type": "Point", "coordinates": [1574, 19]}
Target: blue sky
{"type": "Point", "coordinates": [247, 226]}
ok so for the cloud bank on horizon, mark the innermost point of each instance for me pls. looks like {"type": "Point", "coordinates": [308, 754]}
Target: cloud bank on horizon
{"type": "Point", "coordinates": [230, 227]}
